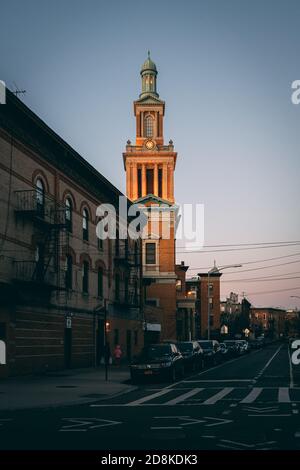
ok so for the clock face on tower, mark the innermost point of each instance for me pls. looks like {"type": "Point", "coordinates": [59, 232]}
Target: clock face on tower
{"type": "Point", "coordinates": [149, 144]}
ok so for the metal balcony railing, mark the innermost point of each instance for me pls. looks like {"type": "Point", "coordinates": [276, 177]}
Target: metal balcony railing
{"type": "Point", "coordinates": [40, 207]}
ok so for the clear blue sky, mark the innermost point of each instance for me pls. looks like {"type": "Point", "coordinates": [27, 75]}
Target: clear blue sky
{"type": "Point", "coordinates": [225, 72]}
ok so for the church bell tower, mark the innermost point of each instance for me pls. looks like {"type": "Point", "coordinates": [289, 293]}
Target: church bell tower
{"type": "Point", "coordinates": [149, 166]}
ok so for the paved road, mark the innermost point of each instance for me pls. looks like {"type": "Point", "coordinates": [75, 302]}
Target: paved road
{"type": "Point", "coordinates": [247, 403]}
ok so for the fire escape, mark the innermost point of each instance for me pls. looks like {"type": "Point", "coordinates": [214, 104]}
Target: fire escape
{"type": "Point", "coordinates": [41, 270]}
{"type": "Point", "coordinates": [127, 260]}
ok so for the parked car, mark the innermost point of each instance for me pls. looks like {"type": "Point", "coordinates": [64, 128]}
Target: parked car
{"type": "Point", "coordinates": [255, 344]}
{"type": "Point", "coordinates": [211, 350]}
{"type": "Point", "coordinates": [261, 340]}
{"type": "Point", "coordinates": [244, 346]}
{"type": "Point", "coordinates": [233, 347]}
{"type": "Point", "coordinates": [192, 354]}
{"type": "Point", "coordinates": [158, 360]}
{"type": "Point", "coordinates": [224, 351]}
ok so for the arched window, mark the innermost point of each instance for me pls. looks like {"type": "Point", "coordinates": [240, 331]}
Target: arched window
{"type": "Point", "coordinates": [68, 213]}
{"type": "Point", "coordinates": [85, 224]}
{"type": "Point", "coordinates": [148, 126]}
{"type": "Point", "coordinates": [40, 195]}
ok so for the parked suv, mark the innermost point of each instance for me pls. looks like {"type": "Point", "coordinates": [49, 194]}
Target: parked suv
{"type": "Point", "coordinates": [233, 347]}
{"type": "Point", "coordinates": [192, 354]}
{"type": "Point", "coordinates": [158, 360]}
{"type": "Point", "coordinates": [211, 350]}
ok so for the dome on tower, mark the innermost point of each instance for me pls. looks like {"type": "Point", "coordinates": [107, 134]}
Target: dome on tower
{"type": "Point", "coordinates": [148, 65]}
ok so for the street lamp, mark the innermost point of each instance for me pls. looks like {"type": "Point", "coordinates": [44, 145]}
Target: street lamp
{"type": "Point", "coordinates": [214, 270]}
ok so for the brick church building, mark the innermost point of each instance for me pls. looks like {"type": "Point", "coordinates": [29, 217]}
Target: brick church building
{"type": "Point", "coordinates": [150, 165]}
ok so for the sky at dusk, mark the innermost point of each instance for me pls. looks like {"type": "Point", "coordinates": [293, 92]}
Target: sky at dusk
{"type": "Point", "coordinates": [225, 70]}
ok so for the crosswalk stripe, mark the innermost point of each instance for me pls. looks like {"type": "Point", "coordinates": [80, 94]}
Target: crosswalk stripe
{"type": "Point", "coordinates": [184, 396]}
{"type": "Point", "coordinates": [284, 395]}
{"type": "Point", "coordinates": [149, 397]}
{"type": "Point", "coordinates": [218, 396]}
{"type": "Point", "coordinates": [251, 397]}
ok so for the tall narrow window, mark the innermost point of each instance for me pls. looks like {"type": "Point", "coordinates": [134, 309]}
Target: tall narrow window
{"type": "Point", "coordinates": [148, 126]}
{"type": "Point", "coordinates": [100, 282]}
{"type": "Point", "coordinates": [126, 289]}
{"type": "Point", "coordinates": [139, 176]}
{"type": "Point", "coordinates": [69, 272]}
{"type": "Point", "coordinates": [149, 178]}
{"type": "Point", "coordinates": [40, 196]}
{"type": "Point", "coordinates": [85, 277]}
{"type": "Point", "coordinates": [85, 224]}
{"type": "Point", "coordinates": [160, 182]}
{"type": "Point", "coordinates": [150, 253]}
{"type": "Point", "coordinates": [117, 287]}
{"type": "Point", "coordinates": [68, 213]}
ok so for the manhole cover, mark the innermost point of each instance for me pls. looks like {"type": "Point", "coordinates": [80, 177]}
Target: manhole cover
{"type": "Point", "coordinates": [66, 386]}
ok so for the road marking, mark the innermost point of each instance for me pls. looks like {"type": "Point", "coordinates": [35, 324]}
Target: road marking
{"type": "Point", "coordinates": [260, 409]}
{"type": "Point", "coordinates": [184, 396]}
{"type": "Point", "coordinates": [162, 392]}
{"type": "Point", "coordinates": [291, 370]}
{"type": "Point", "coordinates": [240, 445]}
{"type": "Point", "coordinates": [218, 396]}
{"type": "Point", "coordinates": [186, 421]}
{"type": "Point", "coordinates": [283, 395]}
{"type": "Point", "coordinates": [269, 362]}
{"type": "Point", "coordinates": [85, 424]}
{"type": "Point", "coordinates": [269, 416]}
{"type": "Point", "coordinates": [251, 397]}
{"type": "Point", "coordinates": [220, 380]}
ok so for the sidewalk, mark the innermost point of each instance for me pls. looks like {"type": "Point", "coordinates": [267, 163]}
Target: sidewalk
{"type": "Point", "coordinates": [61, 388]}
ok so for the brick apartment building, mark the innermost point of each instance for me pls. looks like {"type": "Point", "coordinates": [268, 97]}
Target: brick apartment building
{"type": "Point", "coordinates": [197, 287]}
{"type": "Point", "coordinates": [56, 276]}
{"type": "Point", "coordinates": [268, 321]}
{"type": "Point", "coordinates": [186, 319]}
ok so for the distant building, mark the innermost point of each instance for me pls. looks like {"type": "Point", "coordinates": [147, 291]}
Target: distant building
{"type": "Point", "coordinates": [235, 316]}
{"type": "Point", "coordinates": [230, 306]}
{"type": "Point", "coordinates": [186, 320]}
{"type": "Point", "coordinates": [56, 276]}
{"type": "Point", "coordinates": [198, 289]}
{"type": "Point", "coordinates": [292, 323]}
{"type": "Point", "coordinates": [268, 321]}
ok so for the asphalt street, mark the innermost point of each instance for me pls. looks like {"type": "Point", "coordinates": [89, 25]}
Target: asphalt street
{"type": "Point", "coordinates": [250, 402]}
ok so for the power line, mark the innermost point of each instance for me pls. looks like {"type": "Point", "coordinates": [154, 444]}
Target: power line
{"type": "Point", "coordinates": [248, 244]}
{"type": "Point", "coordinates": [272, 291]}
{"type": "Point", "coordinates": [262, 267]}
{"type": "Point", "coordinates": [252, 262]}
{"type": "Point", "coordinates": [263, 279]}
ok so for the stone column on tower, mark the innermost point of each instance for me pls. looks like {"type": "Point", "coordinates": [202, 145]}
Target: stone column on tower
{"type": "Point", "coordinates": [165, 181]}
{"type": "Point", "coordinates": [156, 179]}
{"type": "Point", "coordinates": [144, 182]}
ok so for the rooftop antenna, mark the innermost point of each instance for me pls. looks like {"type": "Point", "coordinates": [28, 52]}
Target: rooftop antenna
{"type": "Point", "coordinates": [17, 91]}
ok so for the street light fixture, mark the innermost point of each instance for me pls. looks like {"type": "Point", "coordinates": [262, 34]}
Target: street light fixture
{"type": "Point", "coordinates": [214, 270]}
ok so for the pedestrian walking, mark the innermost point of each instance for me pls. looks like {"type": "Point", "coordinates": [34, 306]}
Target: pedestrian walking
{"type": "Point", "coordinates": [118, 354]}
